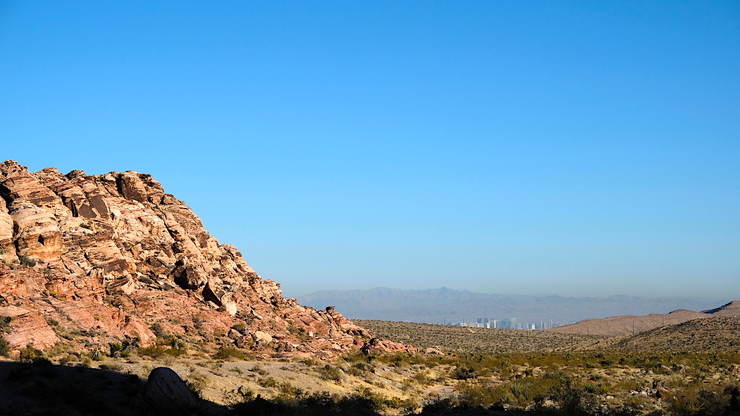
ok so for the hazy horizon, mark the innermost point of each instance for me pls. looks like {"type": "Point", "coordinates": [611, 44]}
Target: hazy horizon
{"type": "Point", "coordinates": [613, 295]}
{"type": "Point", "coordinates": [571, 148]}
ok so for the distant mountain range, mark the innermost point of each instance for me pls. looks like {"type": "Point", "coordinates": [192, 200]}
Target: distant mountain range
{"type": "Point", "coordinates": [445, 305]}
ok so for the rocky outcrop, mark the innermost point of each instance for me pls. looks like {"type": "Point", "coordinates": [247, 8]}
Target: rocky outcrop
{"type": "Point", "coordinates": [28, 328]}
{"type": "Point", "coordinates": [113, 254]}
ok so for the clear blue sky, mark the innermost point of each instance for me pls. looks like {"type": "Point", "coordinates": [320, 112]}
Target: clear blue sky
{"type": "Point", "coordinates": [572, 148]}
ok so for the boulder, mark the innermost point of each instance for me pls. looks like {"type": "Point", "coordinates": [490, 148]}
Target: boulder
{"type": "Point", "coordinates": [165, 390]}
{"type": "Point", "coordinates": [261, 337]}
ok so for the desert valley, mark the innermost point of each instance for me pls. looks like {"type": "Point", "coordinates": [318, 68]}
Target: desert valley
{"type": "Point", "coordinates": [115, 300]}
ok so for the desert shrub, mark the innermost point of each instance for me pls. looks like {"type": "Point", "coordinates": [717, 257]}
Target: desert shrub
{"type": "Point", "coordinates": [111, 367]}
{"type": "Point", "coordinates": [464, 372]}
{"type": "Point", "coordinates": [69, 358]}
{"type": "Point", "coordinates": [290, 390]}
{"type": "Point", "coordinates": [241, 326]}
{"type": "Point", "coordinates": [59, 349]}
{"type": "Point", "coordinates": [97, 354]}
{"type": "Point", "coordinates": [309, 362]}
{"type": "Point", "coordinates": [259, 370]}
{"type": "Point", "coordinates": [30, 354]}
{"type": "Point", "coordinates": [226, 353]}
{"type": "Point", "coordinates": [197, 383]}
{"type": "Point", "coordinates": [521, 390]}
{"type": "Point", "coordinates": [159, 351]}
{"type": "Point", "coordinates": [397, 360]}
{"type": "Point", "coordinates": [354, 371]}
{"type": "Point", "coordinates": [117, 348]}
{"type": "Point", "coordinates": [734, 401]}
{"type": "Point", "coordinates": [571, 398]}
{"type": "Point", "coordinates": [441, 406]}
{"type": "Point", "coordinates": [475, 395]}
{"type": "Point", "coordinates": [699, 400]}
{"type": "Point", "coordinates": [267, 382]}
{"type": "Point", "coordinates": [24, 260]}
{"type": "Point", "coordinates": [364, 367]}
{"type": "Point", "coordinates": [329, 372]}
{"type": "Point", "coordinates": [300, 333]}
{"type": "Point", "coordinates": [422, 377]}
{"type": "Point", "coordinates": [197, 323]}
{"type": "Point", "coordinates": [5, 324]}
{"type": "Point", "coordinates": [165, 345]}
{"type": "Point", "coordinates": [4, 346]}
{"type": "Point", "coordinates": [236, 396]}
{"type": "Point", "coordinates": [357, 357]}
{"type": "Point", "coordinates": [158, 330]}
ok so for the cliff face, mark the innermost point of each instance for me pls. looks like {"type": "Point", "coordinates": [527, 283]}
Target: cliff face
{"type": "Point", "coordinates": [112, 254]}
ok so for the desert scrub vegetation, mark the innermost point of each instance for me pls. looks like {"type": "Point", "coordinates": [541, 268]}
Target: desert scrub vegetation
{"type": "Point", "coordinates": [165, 345]}
{"type": "Point", "coordinates": [4, 346]}
{"type": "Point", "coordinates": [300, 403]}
{"type": "Point", "coordinates": [227, 353]}
{"type": "Point", "coordinates": [586, 382]}
{"type": "Point", "coordinates": [481, 340]}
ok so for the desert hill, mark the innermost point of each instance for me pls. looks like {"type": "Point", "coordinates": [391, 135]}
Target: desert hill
{"type": "Point", "coordinates": [631, 324]}
{"type": "Point", "coordinates": [708, 334]}
{"type": "Point", "coordinates": [717, 333]}
{"type": "Point", "coordinates": [730, 309]}
{"type": "Point", "coordinates": [93, 260]}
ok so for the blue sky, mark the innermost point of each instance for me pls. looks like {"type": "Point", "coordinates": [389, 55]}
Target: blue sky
{"type": "Point", "coordinates": [571, 148]}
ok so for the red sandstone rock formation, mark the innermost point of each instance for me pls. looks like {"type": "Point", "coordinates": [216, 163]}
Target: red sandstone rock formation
{"type": "Point", "coordinates": [109, 255]}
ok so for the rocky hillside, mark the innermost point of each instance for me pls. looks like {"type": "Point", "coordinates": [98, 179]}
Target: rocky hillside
{"type": "Point", "coordinates": [98, 259]}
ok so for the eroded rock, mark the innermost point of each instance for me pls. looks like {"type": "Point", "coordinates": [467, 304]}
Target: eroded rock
{"type": "Point", "coordinates": [115, 254]}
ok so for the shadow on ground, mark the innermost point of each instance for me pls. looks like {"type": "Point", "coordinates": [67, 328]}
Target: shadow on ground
{"type": "Point", "coordinates": [42, 388]}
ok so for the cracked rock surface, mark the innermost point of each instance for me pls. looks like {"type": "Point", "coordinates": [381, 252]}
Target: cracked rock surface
{"type": "Point", "coordinates": [112, 254]}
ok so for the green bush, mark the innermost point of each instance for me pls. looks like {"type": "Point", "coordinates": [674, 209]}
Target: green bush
{"type": "Point", "coordinates": [241, 326]}
{"type": "Point", "coordinates": [156, 351]}
{"type": "Point", "coordinates": [329, 372]}
{"type": "Point", "coordinates": [158, 330]}
{"type": "Point", "coordinates": [699, 400]}
{"type": "Point", "coordinates": [4, 346]}
{"type": "Point", "coordinates": [30, 354]}
{"type": "Point", "coordinates": [226, 353]}
{"type": "Point", "coordinates": [5, 324]}
{"type": "Point", "coordinates": [24, 260]}
{"type": "Point", "coordinates": [267, 382]}
{"type": "Point", "coordinates": [124, 348]}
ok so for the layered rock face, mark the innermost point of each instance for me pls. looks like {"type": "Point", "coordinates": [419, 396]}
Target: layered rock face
{"type": "Point", "coordinates": [112, 254]}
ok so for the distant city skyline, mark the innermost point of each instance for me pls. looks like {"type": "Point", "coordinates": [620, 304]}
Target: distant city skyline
{"type": "Point", "coordinates": [574, 149]}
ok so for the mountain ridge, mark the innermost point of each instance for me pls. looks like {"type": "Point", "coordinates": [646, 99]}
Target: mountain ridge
{"type": "Point", "coordinates": [446, 305]}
